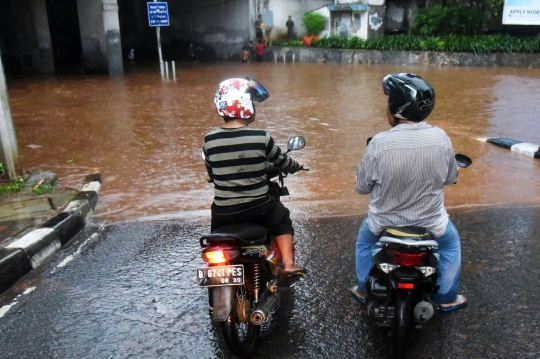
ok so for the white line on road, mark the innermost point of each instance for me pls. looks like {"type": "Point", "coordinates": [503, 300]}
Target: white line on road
{"type": "Point", "coordinates": [7, 307]}
{"type": "Point", "coordinates": [77, 252]}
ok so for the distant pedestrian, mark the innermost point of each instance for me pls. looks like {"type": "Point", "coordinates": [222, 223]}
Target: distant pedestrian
{"type": "Point", "coordinates": [259, 28]}
{"type": "Point", "coordinates": [245, 55]}
{"type": "Point", "coordinates": [290, 28]}
{"type": "Point", "coordinates": [259, 50]}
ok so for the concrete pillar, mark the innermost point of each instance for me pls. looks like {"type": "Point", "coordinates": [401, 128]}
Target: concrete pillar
{"type": "Point", "coordinates": [26, 36]}
{"type": "Point", "coordinates": [112, 32]}
{"type": "Point", "coordinates": [100, 36]}
{"type": "Point", "coordinates": [8, 140]}
{"type": "Point", "coordinates": [43, 35]}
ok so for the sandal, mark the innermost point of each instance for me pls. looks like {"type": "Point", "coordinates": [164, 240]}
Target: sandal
{"type": "Point", "coordinates": [354, 292]}
{"type": "Point", "coordinates": [296, 273]}
{"type": "Point", "coordinates": [460, 304]}
{"type": "Point", "coordinates": [289, 279]}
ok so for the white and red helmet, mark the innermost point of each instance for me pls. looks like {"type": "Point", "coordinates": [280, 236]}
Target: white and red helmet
{"type": "Point", "coordinates": [234, 97]}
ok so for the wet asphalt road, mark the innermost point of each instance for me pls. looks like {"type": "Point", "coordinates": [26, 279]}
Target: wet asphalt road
{"type": "Point", "coordinates": [128, 291]}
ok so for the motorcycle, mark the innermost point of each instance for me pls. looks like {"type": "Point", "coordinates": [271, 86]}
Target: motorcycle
{"type": "Point", "coordinates": [244, 272]}
{"type": "Point", "coordinates": [403, 275]}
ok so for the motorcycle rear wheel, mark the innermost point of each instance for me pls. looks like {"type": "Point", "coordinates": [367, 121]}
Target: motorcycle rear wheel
{"type": "Point", "coordinates": [241, 338]}
{"type": "Point", "coordinates": [402, 321]}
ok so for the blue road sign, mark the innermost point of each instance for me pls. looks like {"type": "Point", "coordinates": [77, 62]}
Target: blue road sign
{"type": "Point", "coordinates": [158, 14]}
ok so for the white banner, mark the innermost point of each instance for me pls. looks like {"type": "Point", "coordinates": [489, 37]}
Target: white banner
{"type": "Point", "coordinates": [521, 12]}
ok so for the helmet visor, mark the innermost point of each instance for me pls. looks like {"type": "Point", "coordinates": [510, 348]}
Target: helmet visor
{"type": "Point", "coordinates": [258, 92]}
{"type": "Point", "coordinates": [385, 85]}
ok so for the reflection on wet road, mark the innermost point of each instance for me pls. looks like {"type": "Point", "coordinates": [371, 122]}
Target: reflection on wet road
{"type": "Point", "coordinates": [130, 292]}
{"type": "Point", "coordinates": [145, 135]}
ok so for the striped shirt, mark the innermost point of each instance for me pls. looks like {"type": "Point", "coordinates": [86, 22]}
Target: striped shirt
{"type": "Point", "coordinates": [404, 171]}
{"type": "Point", "coordinates": [236, 160]}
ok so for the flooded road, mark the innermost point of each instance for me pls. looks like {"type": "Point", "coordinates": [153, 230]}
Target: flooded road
{"type": "Point", "coordinates": [145, 135]}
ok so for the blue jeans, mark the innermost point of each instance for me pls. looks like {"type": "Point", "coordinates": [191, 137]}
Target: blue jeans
{"type": "Point", "coordinates": [449, 262]}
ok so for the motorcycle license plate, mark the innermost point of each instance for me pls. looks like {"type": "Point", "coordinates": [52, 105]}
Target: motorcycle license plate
{"type": "Point", "coordinates": [220, 276]}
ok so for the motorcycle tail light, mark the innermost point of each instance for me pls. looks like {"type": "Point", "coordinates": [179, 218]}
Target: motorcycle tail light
{"type": "Point", "coordinates": [219, 256]}
{"type": "Point", "coordinates": [215, 257]}
{"type": "Point", "coordinates": [409, 259]}
{"type": "Point", "coordinates": [402, 285]}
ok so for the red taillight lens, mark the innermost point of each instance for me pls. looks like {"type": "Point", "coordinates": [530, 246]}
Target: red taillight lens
{"type": "Point", "coordinates": [215, 257]}
{"type": "Point", "coordinates": [409, 259]}
{"type": "Point", "coordinates": [405, 285]}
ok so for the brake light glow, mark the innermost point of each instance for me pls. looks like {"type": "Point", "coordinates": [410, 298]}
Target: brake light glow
{"type": "Point", "coordinates": [405, 285]}
{"type": "Point", "coordinates": [215, 257]}
{"type": "Point", "coordinates": [409, 259]}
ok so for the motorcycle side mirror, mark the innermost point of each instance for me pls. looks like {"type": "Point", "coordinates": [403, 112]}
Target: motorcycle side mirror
{"type": "Point", "coordinates": [296, 143]}
{"type": "Point", "coordinates": [463, 161]}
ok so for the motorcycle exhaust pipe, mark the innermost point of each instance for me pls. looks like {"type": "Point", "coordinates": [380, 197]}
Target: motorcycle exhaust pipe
{"type": "Point", "coordinates": [423, 312]}
{"type": "Point", "coordinates": [263, 309]}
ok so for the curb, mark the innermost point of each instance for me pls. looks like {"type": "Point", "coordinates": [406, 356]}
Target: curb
{"type": "Point", "coordinates": [30, 251]}
{"type": "Point", "coordinates": [528, 149]}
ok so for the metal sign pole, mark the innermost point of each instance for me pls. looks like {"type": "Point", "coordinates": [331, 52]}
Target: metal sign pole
{"type": "Point", "coordinates": [159, 50]}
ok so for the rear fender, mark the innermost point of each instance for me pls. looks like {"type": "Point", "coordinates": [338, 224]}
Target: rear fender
{"type": "Point", "coordinates": [222, 299]}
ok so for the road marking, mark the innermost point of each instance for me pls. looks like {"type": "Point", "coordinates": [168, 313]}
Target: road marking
{"type": "Point", "coordinates": [7, 307]}
{"type": "Point", "coordinates": [78, 251]}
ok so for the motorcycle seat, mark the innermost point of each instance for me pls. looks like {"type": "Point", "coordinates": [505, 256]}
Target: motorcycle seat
{"type": "Point", "coordinates": [409, 242]}
{"type": "Point", "coordinates": [408, 236]}
{"type": "Point", "coordinates": [246, 233]}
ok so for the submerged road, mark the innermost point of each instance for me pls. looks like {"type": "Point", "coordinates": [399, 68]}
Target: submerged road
{"type": "Point", "coordinates": [128, 290]}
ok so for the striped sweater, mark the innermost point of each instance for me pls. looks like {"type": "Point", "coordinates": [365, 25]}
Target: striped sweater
{"type": "Point", "coordinates": [236, 160]}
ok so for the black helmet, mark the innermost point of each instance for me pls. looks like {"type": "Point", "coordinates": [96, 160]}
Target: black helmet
{"type": "Point", "coordinates": [410, 97]}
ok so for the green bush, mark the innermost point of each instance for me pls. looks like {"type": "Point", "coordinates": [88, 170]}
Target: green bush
{"type": "Point", "coordinates": [450, 43]}
{"type": "Point", "coordinates": [16, 185]}
{"type": "Point", "coordinates": [314, 23]}
{"type": "Point", "coordinates": [438, 20]}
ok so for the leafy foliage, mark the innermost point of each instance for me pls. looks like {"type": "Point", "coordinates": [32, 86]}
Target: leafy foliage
{"type": "Point", "coordinates": [314, 23]}
{"type": "Point", "coordinates": [451, 43]}
{"type": "Point", "coordinates": [439, 20]}
{"type": "Point", "coordinates": [16, 185]}
{"type": "Point", "coordinates": [42, 188]}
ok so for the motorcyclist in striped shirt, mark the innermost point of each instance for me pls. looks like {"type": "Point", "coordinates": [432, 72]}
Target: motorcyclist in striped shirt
{"type": "Point", "coordinates": [236, 159]}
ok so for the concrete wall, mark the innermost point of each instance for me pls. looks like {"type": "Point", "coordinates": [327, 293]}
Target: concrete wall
{"type": "Point", "coordinates": [224, 26]}
{"type": "Point", "coordinates": [330, 23]}
{"type": "Point", "coordinates": [376, 21]}
{"type": "Point", "coordinates": [227, 26]}
{"type": "Point", "coordinates": [282, 9]}
{"type": "Point", "coordinates": [414, 58]}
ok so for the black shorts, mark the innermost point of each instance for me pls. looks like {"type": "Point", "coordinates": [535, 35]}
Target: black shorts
{"type": "Point", "coordinates": [267, 212]}
{"type": "Point", "coordinates": [259, 34]}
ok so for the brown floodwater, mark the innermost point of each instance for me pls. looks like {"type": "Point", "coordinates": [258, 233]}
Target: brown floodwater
{"type": "Point", "coordinates": [144, 135]}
